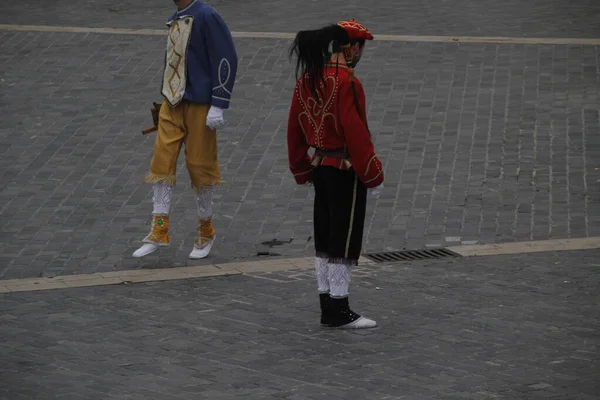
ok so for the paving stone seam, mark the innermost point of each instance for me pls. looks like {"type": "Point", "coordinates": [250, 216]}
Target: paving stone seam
{"type": "Point", "coordinates": [287, 35]}
{"type": "Point", "coordinates": [253, 267]}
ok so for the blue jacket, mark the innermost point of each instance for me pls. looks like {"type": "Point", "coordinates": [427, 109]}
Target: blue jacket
{"type": "Point", "coordinates": [211, 58]}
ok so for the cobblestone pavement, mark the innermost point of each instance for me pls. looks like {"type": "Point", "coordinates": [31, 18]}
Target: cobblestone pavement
{"type": "Point", "coordinates": [535, 18]}
{"type": "Point", "coordinates": [481, 143]}
{"type": "Point", "coordinates": [502, 327]}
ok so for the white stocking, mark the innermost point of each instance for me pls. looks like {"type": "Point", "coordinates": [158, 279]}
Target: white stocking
{"type": "Point", "coordinates": [204, 202]}
{"type": "Point", "coordinates": [322, 269]}
{"type": "Point", "coordinates": [162, 198]}
{"type": "Point", "coordinates": [339, 280]}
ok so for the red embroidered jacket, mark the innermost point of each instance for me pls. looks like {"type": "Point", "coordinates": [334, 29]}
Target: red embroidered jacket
{"type": "Point", "coordinates": [331, 123]}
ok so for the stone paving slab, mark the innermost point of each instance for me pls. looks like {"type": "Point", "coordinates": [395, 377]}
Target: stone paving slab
{"type": "Point", "coordinates": [290, 36]}
{"type": "Point", "coordinates": [151, 275]}
{"type": "Point", "coordinates": [293, 265]}
{"type": "Point", "coordinates": [535, 18]}
{"type": "Point", "coordinates": [503, 327]}
{"type": "Point", "coordinates": [526, 247]}
{"type": "Point", "coordinates": [482, 143]}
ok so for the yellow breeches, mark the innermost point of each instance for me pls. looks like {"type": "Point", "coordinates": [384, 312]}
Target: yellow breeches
{"type": "Point", "coordinates": [185, 124]}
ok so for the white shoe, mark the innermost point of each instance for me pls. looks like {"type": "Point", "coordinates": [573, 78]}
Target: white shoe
{"type": "Point", "coordinates": [146, 249]}
{"type": "Point", "coordinates": [361, 323]}
{"type": "Point", "coordinates": [202, 252]}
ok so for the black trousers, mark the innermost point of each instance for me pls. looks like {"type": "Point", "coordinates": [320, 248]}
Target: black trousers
{"type": "Point", "coordinates": [339, 214]}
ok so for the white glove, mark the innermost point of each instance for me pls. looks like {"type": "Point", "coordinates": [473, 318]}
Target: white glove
{"type": "Point", "coordinates": [214, 119]}
{"type": "Point", "coordinates": [376, 191]}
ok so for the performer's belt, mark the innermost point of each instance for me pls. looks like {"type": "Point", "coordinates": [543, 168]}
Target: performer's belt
{"type": "Point", "coordinates": [332, 153]}
{"type": "Point", "coordinates": [341, 154]}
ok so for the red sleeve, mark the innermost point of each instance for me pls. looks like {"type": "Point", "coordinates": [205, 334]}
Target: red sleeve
{"type": "Point", "coordinates": [358, 139]}
{"type": "Point", "coordinates": [299, 161]}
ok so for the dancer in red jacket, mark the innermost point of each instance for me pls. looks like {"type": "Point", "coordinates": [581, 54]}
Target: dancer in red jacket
{"type": "Point", "coordinates": [328, 114]}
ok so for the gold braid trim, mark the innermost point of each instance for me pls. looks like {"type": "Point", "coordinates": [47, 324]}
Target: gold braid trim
{"type": "Point", "coordinates": [349, 237]}
{"type": "Point", "coordinates": [153, 178]}
{"type": "Point", "coordinates": [371, 180]}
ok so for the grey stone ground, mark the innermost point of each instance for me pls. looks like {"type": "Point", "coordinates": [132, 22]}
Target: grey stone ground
{"type": "Point", "coordinates": [504, 327]}
{"type": "Point", "coordinates": [481, 143]}
{"type": "Point", "coordinates": [515, 18]}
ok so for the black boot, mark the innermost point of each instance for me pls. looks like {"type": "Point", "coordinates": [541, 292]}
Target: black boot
{"type": "Point", "coordinates": [344, 318]}
{"type": "Point", "coordinates": [324, 299]}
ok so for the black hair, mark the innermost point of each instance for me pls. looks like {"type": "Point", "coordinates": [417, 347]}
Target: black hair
{"type": "Point", "coordinates": [312, 49]}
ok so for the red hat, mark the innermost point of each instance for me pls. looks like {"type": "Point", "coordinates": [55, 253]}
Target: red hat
{"type": "Point", "coordinates": [355, 30]}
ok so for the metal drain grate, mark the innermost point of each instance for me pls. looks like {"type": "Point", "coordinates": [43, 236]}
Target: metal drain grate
{"type": "Point", "coordinates": [410, 255]}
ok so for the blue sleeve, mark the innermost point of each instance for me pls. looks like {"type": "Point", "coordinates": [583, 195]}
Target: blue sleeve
{"type": "Point", "coordinates": [222, 57]}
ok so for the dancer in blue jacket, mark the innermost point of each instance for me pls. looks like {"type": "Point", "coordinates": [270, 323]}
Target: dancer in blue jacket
{"type": "Point", "coordinates": [198, 79]}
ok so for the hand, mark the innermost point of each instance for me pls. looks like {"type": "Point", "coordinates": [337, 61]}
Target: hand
{"type": "Point", "coordinates": [376, 191]}
{"type": "Point", "coordinates": [214, 119]}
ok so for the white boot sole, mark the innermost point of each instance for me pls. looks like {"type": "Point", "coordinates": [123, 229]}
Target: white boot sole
{"type": "Point", "coordinates": [146, 249]}
{"type": "Point", "coordinates": [198, 254]}
{"type": "Point", "coordinates": [361, 323]}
